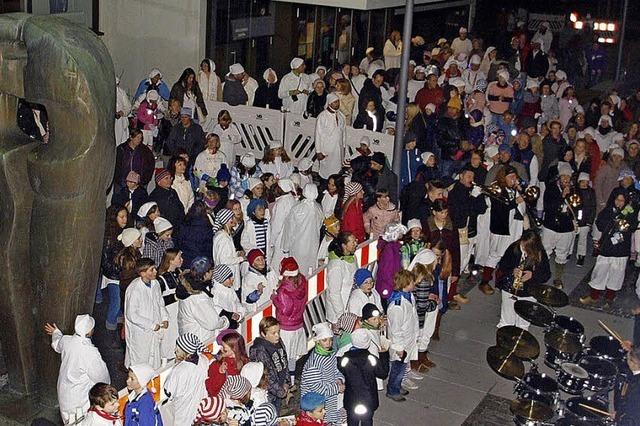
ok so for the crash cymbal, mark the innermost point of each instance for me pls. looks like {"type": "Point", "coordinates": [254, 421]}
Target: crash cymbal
{"type": "Point", "coordinates": [566, 343]}
{"type": "Point", "coordinates": [519, 342]}
{"type": "Point", "coordinates": [503, 362]}
{"type": "Point", "coordinates": [536, 313]}
{"type": "Point", "coordinates": [550, 296]}
{"type": "Point", "coordinates": [531, 410]}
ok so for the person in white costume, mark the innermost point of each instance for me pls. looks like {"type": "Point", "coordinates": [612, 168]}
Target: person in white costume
{"type": "Point", "coordinates": [295, 87]}
{"type": "Point", "coordinates": [330, 138]}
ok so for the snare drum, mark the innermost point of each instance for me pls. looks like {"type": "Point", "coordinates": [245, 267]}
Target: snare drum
{"type": "Point", "coordinates": [572, 378]}
{"type": "Point", "coordinates": [602, 373]}
{"type": "Point", "coordinates": [539, 387]}
{"type": "Point", "coordinates": [606, 347]}
{"type": "Point", "coordinates": [575, 411]}
{"type": "Point", "coordinates": [568, 325]}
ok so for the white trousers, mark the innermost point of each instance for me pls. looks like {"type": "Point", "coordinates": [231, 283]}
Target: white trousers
{"type": "Point", "coordinates": [466, 250]}
{"type": "Point", "coordinates": [581, 242]}
{"type": "Point", "coordinates": [540, 202]}
{"type": "Point", "coordinates": [508, 315]}
{"type": "Point", "coordinates": [561, 242]}
{"type": "Point", "coordinates": [427, 329]}
{"type": "Point", "coordinates": [595, 233]}
{"type": "Point", "coordinates": [498, 244]}
{"type": "Point", "coordinates": [608, 273]}
{"type": "Point", "coordinates": [482, 239]}
{"type": "Point", "coordinates": [295, 343]}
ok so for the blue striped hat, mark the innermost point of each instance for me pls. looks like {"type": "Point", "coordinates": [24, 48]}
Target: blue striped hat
{"type": "Point", "coordinates": [190, 343]}
{"type": "Point", "coordinates": [221, 273]}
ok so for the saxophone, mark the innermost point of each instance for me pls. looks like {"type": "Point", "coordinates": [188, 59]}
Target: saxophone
{"type": "Point", "coordinates": [518, 285]}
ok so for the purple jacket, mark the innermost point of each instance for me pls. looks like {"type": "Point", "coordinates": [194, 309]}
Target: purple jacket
{"type": "Point", "coordinates": [389, 262]}
{"type": "Point", "coordinates": [290, 302]}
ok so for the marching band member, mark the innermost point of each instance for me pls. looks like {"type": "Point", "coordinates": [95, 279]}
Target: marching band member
{"type": "Point", "coordinates": [524, 263]}
{"type": "Point", "coordinates": [617, 221]}
{"type": "Point", "coordinates": [626, 399]}
{"type": "Point", "coordinates": [560, 221]}
{"type": "Point", "coordinates": [483, 220]}
{"type": "Point", "coordinates": [506, 222]}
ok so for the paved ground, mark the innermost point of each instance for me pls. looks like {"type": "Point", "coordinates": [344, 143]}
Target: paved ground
{"type": "Point", "coordinates": [462, 377]}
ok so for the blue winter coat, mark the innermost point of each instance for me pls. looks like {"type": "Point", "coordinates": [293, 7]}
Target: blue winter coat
{"type": "Point", "coordinates": [410, 162]}
{"type": "Point", "coordinates": [195, 239]}
{"type": "Point", "coordinates": [142, 411]}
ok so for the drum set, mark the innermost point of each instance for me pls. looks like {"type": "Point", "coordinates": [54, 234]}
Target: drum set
{"type": "Point", "coordinates": [584, 374]}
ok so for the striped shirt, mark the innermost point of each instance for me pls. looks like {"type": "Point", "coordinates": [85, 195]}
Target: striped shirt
{"type": "Point", "coordinates": [261, 234]}
{"type": "Point", "coordinates": [320, 374]}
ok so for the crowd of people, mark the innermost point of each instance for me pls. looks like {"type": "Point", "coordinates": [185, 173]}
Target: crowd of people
{"type": "Point", "coordinates": [505, 177]}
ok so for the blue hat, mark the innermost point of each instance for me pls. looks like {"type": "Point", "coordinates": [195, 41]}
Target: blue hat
{"type": "Point", "coordinates": [312, 400]}
{"type": "Point", "coordinates": [361, 276]}
{"type": "Point", "coordinates": [200, 265]}
{"type": "Point", "coordinates": [224, 175]}
{"type": "Point", "coordinates": [186, 111]}
{"type": "Point", "coordinates": [254, 204]}
{"type": "Point", "coordinates": [221, 273]}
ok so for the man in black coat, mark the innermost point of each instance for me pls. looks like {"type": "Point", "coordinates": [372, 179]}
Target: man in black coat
{"type": "Point", "coordinates": [627, 392]}
{"type": "Point", "coordinates": [537, 61]}
{"type": "Point", "coordinates": [360, 369]}
{"type": "Point", "coordinates": [371, 90]}
{"type": "Point", "coordinates": [186, 135]}
{"type": "Point", "coordinates": [171, 208]}
{"type": "Point", "coordinates": [132, 196]}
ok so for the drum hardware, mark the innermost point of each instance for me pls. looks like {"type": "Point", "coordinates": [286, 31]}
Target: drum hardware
{"type": "Point", "coordinates": [518, 342]}
{"type": "Point", "coordinates": [504, 363]}
{"type": "Point", "coordinates": [593, 414]}
{"type": "Point", "coordinates": [572, 378]}
{"type": "Point", "coordinates": [549, 295]}
{"type": "Point", "coordinates": [535, 313]}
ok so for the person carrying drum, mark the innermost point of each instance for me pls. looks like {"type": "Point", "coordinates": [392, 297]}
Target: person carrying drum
{"type": "Point", "coordinates": [523, 265]}
{"type": "Point", "coordinates": [559, 224]}
{"type": "Point", "coordinates": [506, 222]}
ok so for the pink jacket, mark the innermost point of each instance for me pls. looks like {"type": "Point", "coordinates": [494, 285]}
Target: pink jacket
{"type": "Point", "coordinates": [376, 219]}
{"type": "Point", "coordinates": [290, 302]}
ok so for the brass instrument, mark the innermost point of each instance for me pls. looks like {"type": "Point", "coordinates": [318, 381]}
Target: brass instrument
{"type": "Point", "coordinates": [493, 191]}
{"type": "Point", "coordinates": [622, 224]}
{"type": "Point", "coordinates": [531, 194]}
{"type": "Point", "coordinates": [518, 285]}
{"type": "Point", "coordinates": [574, 202]}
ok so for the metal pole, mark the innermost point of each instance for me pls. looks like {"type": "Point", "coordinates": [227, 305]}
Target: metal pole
{"type": "Point", "coordinates": [620, 46]}
{"type": "Point", "coordinates": [398, 145]}
{"type": "Point", "coordinates": [472, 15]}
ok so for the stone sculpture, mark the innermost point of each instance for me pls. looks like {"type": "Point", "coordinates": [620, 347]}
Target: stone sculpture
{"type": "Point", "coordinates": [52, 196]}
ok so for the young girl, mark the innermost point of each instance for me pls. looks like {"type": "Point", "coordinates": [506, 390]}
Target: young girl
{"type": "Point", "coordinates": [126, 260]}
{"type": "Point", "coordinates": [276, 161]}
{"type": "Point", "coordinates": [241, 172]}
{"type": "Point", "coordinates": [363, 293]}
{"type": "Point", "coordinates": [140, 408]}
{"type": "Point", "coordinates": [185, 384]}
{"type": "Point", "coordinates": [233, 357]}
{"type": "Point", "coordinates": [389, 261]}
{"type": "Point", "coordinates": [224, 296]}
{"type": "Point", "coordinates": [147, 213]}
{"type": "Point", "coordinates": [169, 277]}
{"type": "Point", "coordinates": [259, 283]}
{"type": "Point", "coordinates": [157, 242]}
{"type": "Point", "coordinates": [290, 301]}
{"type": "Point", "coordinates": [332, 196]}
{"type": "Point", "coordinates": [320, 373]}
{"type": "Point", "coordinates": [381, 214]}
{"type": "Point", "coordinates": [269, 350]}
{"type": "Point", "coordinates": [181, 181]}
{"type": "Point", "coordinates": [259, 378]}
{"type": "Point", "coordinates": [238, 218]}
{"type": "Point", "coordinates": [412, 243]}
{"type": "Point", "coordinates": [403, 331]}
{"type": "Point", "coordinates": [428, 170]}
{"type": "Point", "coordinates": [352, 215]}
{"type": "Point", "coordinates": [257, 228]}
{"type": "Point", "coordinates": [116, 221]}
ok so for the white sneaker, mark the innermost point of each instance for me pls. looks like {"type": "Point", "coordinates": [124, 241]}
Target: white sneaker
{"type": "Point", "coordinates": [409, 385]}
{"type": "Point", "coordinates": [414, 375]}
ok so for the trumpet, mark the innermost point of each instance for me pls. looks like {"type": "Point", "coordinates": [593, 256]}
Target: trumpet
{"type": "Point", "coordinates": [531, 194]}
{"type": "Point", "coordinates": [574, 200]}
{"type": "Point", "coordinates": [493, 191]}
{"type": "Point", "coordinates": [622, 224]}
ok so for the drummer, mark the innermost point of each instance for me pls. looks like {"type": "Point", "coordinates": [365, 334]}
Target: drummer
{"type": "Point", "coordinates": [626, 401]}
{"type": "Point", "coordinates": [527, 259]}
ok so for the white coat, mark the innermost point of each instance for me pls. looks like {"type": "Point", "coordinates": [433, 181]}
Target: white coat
{"type": "Point", "coordinates": [413, 86]}
{"type": "Point", "coordinates": [184, 190]}
{"type": "Point", "coordinates": [280, 169]}
{"type": "Point", "coordinates": [329, 203]}
{"type": "Point", "coordinates": [186, 386]}
{"type": "Point", "coordinates": [301, 234]}
{"type": "Point", "coordinates": [197, 314]}
{"type": "Point", "coordinates": [250, 86]}
{"type": "Point", "coordinates": [281, 209]}
{"type": "Point", "coordinates": [92, 418]}
{"type": "Point", "coordinates": [392, 54]}
{"type": "Point", "coordinates": [248, 239]}
{"type": "Point", "coordinates": [403, 328]}
{"type": "Point", "coordinates": [224, 253]}
{"type": "Point", "coordinates": [209, 85]}
{"type": "Point", "coordinates": [229, 138]}
{"type": "Point", "coordinates": [143, 311]}
{"type": "Point", "coordinates": [250, 283]}
{"type": "Point", "coordinates": [225, 298]}
{"type": "Point", "coordinates": [339, 279]}
{"type": "Point", "coordinates": [209, 164]}
{"type": "Point", "coordinates": [330, 140]}
{"type": "Point", "coordinates": [81, 367]}
{"type": "Point", "coordinates": [470, 78]}
{"type": "Point", "coordinates": [290, 82]}
{"type": "Point", "coordinates": [122, 124]}
{"type": "Point", "coordinates": [358, 299]}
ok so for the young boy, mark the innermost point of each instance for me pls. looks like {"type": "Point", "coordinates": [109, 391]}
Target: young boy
{"type": "Point", "coordinates": [311, 410]}
{"type": "Point", "coordinates": [403, 332]}
{"type": "Point", "coordinates": [146, 317]}
{"type": "Point", "coordinates": [382, 213]}
{"type": "Point", "coordinates": [141, 409]}
{"type": "Point", "coordinates": [104, 406]}
{"type": "Point", "coordinates": [224, 296]}
{"type": "Point", "coordinates": [372, 319]}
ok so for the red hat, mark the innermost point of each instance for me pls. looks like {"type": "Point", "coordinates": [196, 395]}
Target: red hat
{"type": "Point", "coordinates": [288, 267]}
{"type": "Point", "coordinates": [161, 174]}
{"type": "Point", "coordinates": [253, 255]}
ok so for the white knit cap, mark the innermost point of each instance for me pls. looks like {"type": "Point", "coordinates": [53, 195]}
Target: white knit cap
{"type": "Point", "coordinates": [84, 324]}
{"type": "Point", "coordinates": [564, 169]}
{"type": "Point", "coordinates": [617, 151]}
{"type": "Point", "coordinates": [361, 339]}
{"type": "Point", "coordinates": [475, 60]}
{"type": "Point", "coordinates": [152, 96]}
{"type": "Point", "coordinates": [322, 331]}
{"type": "Point", "coordinates": [296, 62]}
{"type": "Point", "coordinates": [286, 185]}
{"type": "Point", "coordinates": [425, 156]}
{"type": "Point", "coordinates": [253, 372]}
{"type": "Point", "coordinates": [491, 151]}
{"type": "Point", "coordinates": [129, 236]}
{"type": "Point", "coordinates": [504, 74]}
{"type": "Point", "coordinates": [331, 98]}
{"type": "Point", "coordinates": [253, 182]}
{"type": "Point", "coordinates": [561, 75]}
{"type": "Point", "coordinates": [161, 224]}
{"type": "Point", "coordinates": [144, 209]}
{"type": "Point", "coordinates": [583, 176]}
{"type": "Point", "coordinates": [236, 69]}
{"type": "Point", "coordinates": [414, 223]}
{"type": "Point", "coordinates": [144, 373]}
{"type": "Point", "coordinates": [430, 107]}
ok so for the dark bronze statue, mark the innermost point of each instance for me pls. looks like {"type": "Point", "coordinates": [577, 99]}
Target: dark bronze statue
{"type": "Point", "coordinates": [52, 196]}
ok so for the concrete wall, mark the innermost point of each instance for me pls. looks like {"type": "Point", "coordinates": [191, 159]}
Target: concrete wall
{"type": "Point", "coordinates": [145, 34]}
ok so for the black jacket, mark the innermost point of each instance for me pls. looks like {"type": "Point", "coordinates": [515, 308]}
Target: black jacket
{"type": "Point", "coordinates": [627, 399]}
{"type": "Point", "coordinates": [540, 272]}
{"type": "Point", "coordinates": [588, 207]}
{"type": "Point", "coordinates": [537, 66]}
{"type": "Point", "coordinates": [606, 223]}
{"type": "Point", "coordinates": [551, 149]}
{"type": "Point", "coordinates": [464, 209]}
{"type": "Point", "coordinates": [195, 239]}
{"type": "Point", "coordinates": [191, 139]}
{"type": "Point", "coordinates": [557, 214]}
{"type": "Point", "coordinates": [364, 121]}
{"type": "Point", "coordinates": [451, 131]}
{"type": "Point", "coordinates": [233, 92]}
{"type": "Point", "coordinates": [140, 160]}
{"type": "Point", "coordinates": [316, 103]}
{"type": "Point", "coordinates": [360, 370]}
{"type": "Point", "coordinates": [274, 358]}
{"type": "Point", "coordinates": [267, 94]}
{"type": "Point", "coordinates": [108, 267]}
{"type": "Point", "coordinates": [171, 208]}
{"type": "Point", "coordinates": [138, 197]}
{"type": "Point", "coordinates": [499, 221]}
{"type": "Point", "coordinates": [369, 92]}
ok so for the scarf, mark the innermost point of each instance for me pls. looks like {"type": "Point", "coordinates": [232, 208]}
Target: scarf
{"type": "Point", "coordinates": [368, 326]}
{"type": "Point", "coordinates": [347, 258]}
{"type": "Point", "coordinates": [398, 295]}
{"type": "Point", "coordinates": [322, 351]}
{"type": "Point", "coordinates": [105, 415]}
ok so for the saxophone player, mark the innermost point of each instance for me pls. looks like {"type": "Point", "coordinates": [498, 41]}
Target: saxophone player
{"type": "Point", "coordinates": [559, 225]}
{"type": "Point", "coordinates": [524, 263]}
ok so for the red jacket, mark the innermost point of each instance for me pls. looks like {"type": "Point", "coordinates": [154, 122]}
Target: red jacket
{"type": "Point", "coordinates": [304, 419]}
{"type": "Point", "coordinates": [429, 96]}
{"type": "Point", "coordinates": [596, 159]}
{"type": "Point", "coordinates": [216, 379]}
{"type": "Point", "coordinates": [353, 220]}
{"type": "Point", "coordinates": [290, 302]}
